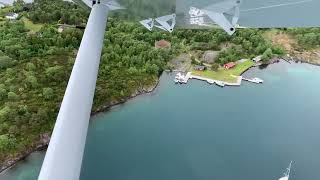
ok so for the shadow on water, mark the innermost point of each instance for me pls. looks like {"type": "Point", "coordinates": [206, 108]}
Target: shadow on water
{"type": "Point", "coordinates": [263, 66]}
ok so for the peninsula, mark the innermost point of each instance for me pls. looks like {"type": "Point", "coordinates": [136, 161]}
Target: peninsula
{"type": "Point", "coordinates": [37, 54]}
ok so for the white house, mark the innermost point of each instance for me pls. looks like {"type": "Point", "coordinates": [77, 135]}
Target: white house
{"type": "Point", "coordinates": [257, 59]}
{"type": "Point", "coordinates": [12, 16]}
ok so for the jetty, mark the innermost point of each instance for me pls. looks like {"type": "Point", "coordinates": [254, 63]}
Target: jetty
{"type": "Point", "coordinates": [254, 80]}
{"type": "Point", "coordinates": [183, 79]}
{"type": "Point", "coordinates": [210, 81]}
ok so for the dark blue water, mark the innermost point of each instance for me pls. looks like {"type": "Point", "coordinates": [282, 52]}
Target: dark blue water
{"type": "Point", "coordinates": [199, 131]}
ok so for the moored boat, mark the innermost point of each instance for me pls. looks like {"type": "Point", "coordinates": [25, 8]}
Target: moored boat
{"type": "Point", "coordinates": [220, 83]}
{"type": "Point", "coordinates": [254, 80]}
{"type": "Point", "coordinates": [210, 81]}
{"type": "Point", "coordinates": [257, 80]}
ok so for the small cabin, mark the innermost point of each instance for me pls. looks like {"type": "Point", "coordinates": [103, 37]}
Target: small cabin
{"type": "Point", "coordinates": [199, 68]}
{"type": "Point", "coordinates": [12, 16]}
{"type": "Point", "coordinates": [229, 65]}
{"type": "Point", "coordinates": [162, 44]}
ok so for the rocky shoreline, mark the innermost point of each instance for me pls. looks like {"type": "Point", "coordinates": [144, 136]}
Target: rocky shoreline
{"type": "Point", "coordinates": [43, 144]}
{"type": "Point", "coordinates": [139, 92]}
{"type": "Point", "coordinates": [45, 138]}
{"type": "Point", "coordinates": [21, 156]}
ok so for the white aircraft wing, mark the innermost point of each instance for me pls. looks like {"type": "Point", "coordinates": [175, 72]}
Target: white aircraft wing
{"type": "Point", "coordinates": [251, 13]}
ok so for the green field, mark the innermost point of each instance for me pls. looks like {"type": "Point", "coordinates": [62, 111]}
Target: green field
{"type": "Point", "coordinates": [30, 25]}
{"type": "Point", "coordinates": [225, 75]}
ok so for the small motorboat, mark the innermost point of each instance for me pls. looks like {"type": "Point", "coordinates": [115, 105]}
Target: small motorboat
{"type": "Point", "coordinates": [254, 80]}
{"type": "Point", "coordinates": [220, 83]}
{"type": "Point", "coordinates": [257, 80]}
{"type": "Point", "coordinates": [210, 81]}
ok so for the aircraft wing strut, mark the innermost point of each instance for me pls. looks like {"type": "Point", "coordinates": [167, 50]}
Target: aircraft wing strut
{"type": "Point", "coordinates": [64, 155]}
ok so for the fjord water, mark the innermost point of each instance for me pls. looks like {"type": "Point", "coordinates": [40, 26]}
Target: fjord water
{"type": "Point", "coordinates": [202, 132]}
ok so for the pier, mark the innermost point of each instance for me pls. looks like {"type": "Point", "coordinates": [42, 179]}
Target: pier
{"type": "Point", "coordinates": [183, 79]}
{"type": "Point", "coordinates": [180, 78]}
{"type": "Point", "coordinates": [254, 80]}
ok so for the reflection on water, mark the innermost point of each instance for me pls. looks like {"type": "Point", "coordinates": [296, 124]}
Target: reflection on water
{"type": "Point", "coordinates": [263, 66]}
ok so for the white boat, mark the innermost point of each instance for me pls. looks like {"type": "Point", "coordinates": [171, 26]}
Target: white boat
{"type": "Point", "coordinates": [178, 75]}
{"type": "Point", "coordinates": [221, 84]}
{"type": "Point", "coordinates": [257, 80]}
{"type": "Point", "coordinates": [287, 173]}
{"type": "Point", "coordinates": [254, 80]}
{"type": "Point", "coordinates": [180, 78]}
{"type": "Point", "coordinates": [210, 81]}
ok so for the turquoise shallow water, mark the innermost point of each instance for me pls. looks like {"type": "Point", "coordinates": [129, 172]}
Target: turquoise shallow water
{"type": "Point", "coordinates": [199, 132]}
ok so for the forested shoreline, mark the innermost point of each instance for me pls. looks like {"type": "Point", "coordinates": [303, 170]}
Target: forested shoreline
{"type": "Point", "coordinates": [35, 65]}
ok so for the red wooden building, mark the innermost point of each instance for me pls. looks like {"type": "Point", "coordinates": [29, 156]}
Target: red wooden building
{"type": "Point", "coordinates": [229, 65]}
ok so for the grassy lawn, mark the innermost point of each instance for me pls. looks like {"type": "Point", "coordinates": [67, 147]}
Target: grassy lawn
{"type": "Point", "coordinates": [225, 75]}
{"type": "Point", "coordinates": [240, 68]}
{"type": "Point", "coordinates": [30, 25]}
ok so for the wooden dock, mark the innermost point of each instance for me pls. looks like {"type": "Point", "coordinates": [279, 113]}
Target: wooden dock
{"type": "Point", "coordinates": [183, 79]}
{"type": "Point", "coordinates": [254, 80]}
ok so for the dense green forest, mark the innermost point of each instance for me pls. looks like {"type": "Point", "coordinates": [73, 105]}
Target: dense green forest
{"type": "Point", "coordinates": [35, 66]}
{"type": "Point", "coordinates": [51, 11]}
{"type": "Point", "coordinates": [33, 75]}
